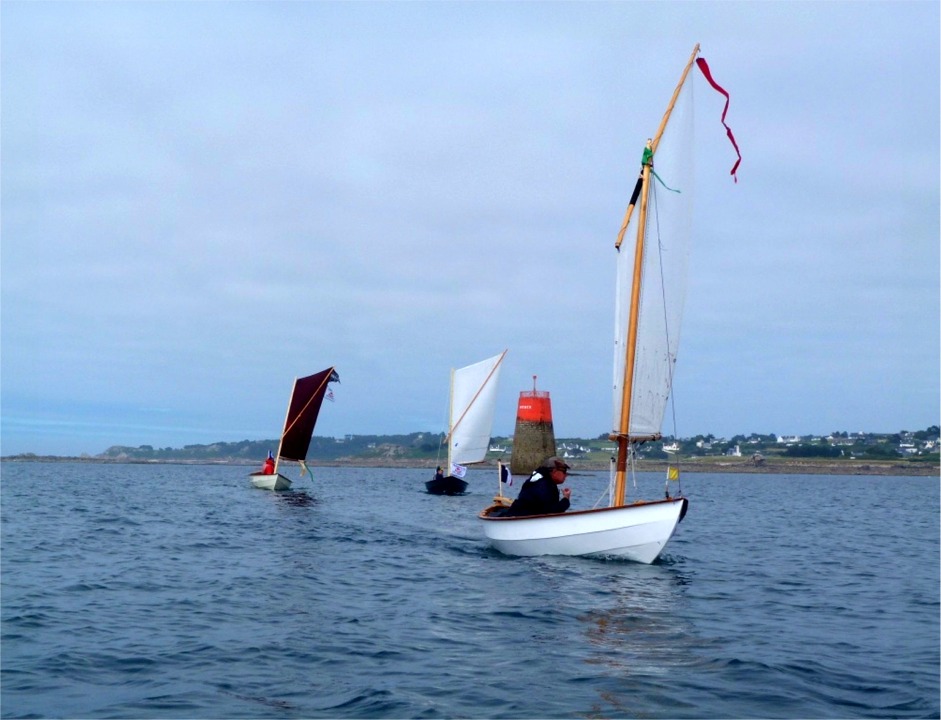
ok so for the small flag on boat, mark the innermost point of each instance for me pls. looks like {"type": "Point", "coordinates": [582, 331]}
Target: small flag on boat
{"type": "Point", "coordinates": [458, 471]}
{"type": "Point", "coordinates": [673, 473]}
{"type": "Point", "coordinates": [505, 475]}
{"type": "Point", "coordinates": [334, 376]}
{"type": "Point", "coordinates": [330, 395]}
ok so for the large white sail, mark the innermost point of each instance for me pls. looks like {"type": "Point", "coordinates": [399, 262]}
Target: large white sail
{"type": "Point", "coordinates": [473, 399]}
{"type": "Point", "coordinates": [649, 301]}
{"type": "Point", "coordinates": [664, 270]}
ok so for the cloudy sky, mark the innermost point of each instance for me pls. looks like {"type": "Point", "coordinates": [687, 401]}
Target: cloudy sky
{"type": "Point", "coordinates": [201, 201]}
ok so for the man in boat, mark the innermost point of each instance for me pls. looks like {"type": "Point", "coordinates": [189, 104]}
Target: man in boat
{"type": "Point", "coordinates": [539, 495]}
{"type": "Point", "coordinates": [268, 468]}
{"type": "Point", "coordinates": [438, 474]}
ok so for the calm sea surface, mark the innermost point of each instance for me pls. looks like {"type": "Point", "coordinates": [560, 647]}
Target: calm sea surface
{"type": "Point", "coordinates": [133, 591]}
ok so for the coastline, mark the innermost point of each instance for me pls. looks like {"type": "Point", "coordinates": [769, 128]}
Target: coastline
{"type": "Point", "coordinates": [730, 466]}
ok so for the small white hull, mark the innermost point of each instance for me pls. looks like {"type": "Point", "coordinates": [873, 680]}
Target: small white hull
{"type": "Point", "coordinates": [636, 532]}
{"type": "Point", "coordinates": [274, 481]}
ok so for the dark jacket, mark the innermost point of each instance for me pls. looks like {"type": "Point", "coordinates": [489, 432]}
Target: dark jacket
{"type": "Point", "coordinates": [538, 496]}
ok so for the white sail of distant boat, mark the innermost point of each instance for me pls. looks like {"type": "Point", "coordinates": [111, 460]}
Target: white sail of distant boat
{"type": "Point", "coordinates": [303, 409]}
{"type": "Point", "coordinates": [470, 422]}
{"type": "Point", "coordinates": [650, 291]}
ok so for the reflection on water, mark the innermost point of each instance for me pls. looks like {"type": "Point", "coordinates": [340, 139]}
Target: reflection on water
{"type": "Point", "coordinates": [642, 632]}
{"type": "Point", "coordinates": [296, 497]}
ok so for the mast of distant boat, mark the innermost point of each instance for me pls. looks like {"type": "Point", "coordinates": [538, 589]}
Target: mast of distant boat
{"type": "Point", "coordinates": [284, 427]}
{"type": "Point", "coordinates": [450, 427]}
{"type": "Point", "coordinates": [624, 438]}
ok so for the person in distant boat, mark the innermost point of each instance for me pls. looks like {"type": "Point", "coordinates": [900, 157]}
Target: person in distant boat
{"type": "Point", "coordinates": [438, 474]}
{"type": "Point", "coordinates": [268, 468]}
{"type": "Point", "coordinates": [539, 495]}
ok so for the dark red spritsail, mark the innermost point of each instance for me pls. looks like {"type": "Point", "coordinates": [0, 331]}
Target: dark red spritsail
{"type": "Point", "coordinates": [306, 400]}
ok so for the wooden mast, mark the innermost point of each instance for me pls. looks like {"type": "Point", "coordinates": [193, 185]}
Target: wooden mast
{"type": "Point", "coordinates": [284, 428]}
{"type": "Point", "coordinates": [623, 435]}
{"type": "Point", "coordinates": [450, 428]}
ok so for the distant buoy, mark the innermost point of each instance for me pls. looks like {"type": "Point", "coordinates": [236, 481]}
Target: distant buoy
{"type": "Point", "coordinates": [534, 438]}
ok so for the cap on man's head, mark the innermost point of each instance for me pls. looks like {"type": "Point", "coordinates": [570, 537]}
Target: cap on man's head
{"type": "Point", "coordinates": [556, 461]}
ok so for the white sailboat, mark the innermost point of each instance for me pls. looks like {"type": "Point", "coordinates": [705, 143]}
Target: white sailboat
{"type": "Point", "coordinates": [470, 421]}
{"type": "Point", "coordinates": [303, 409]}
{"type": "Point", "coordinates": [649, 300]}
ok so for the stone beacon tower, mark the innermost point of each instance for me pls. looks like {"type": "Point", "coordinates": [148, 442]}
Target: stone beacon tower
{"type": "Point", "coordinates": [534, 439]}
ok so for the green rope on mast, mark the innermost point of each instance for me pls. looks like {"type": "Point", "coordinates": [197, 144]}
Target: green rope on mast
{"type": "Point", "coordinates": [663, 183]}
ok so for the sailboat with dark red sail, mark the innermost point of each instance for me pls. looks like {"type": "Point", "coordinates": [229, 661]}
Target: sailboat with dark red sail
{"type": "Point", "coordinates": [303, 409]}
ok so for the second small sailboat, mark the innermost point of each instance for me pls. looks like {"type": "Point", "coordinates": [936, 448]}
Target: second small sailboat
{"type": "Point", "coordinates": [470, 420]}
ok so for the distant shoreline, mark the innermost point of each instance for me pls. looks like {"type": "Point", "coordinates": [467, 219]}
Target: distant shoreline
{"type": "Point", "coordinates": [795, 466]}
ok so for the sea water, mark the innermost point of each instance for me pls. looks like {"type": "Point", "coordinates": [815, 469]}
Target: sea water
{"type": "Point", "coordinates": [170, 591]}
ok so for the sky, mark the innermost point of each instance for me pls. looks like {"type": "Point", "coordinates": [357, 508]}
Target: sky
{"type": "Point", "coordinates": [201, 201]}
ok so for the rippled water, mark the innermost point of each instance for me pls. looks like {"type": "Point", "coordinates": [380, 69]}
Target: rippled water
{"type": "Point", "coordinates": [183, 592]}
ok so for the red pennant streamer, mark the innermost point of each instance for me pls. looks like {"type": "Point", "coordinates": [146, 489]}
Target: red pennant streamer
{"type": "Point", "coordinates": [705, 71]}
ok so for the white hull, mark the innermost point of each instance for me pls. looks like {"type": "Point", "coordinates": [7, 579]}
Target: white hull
{"type": "Point", "coordinates": [636, 532]}
{"type": "Point", "coordinates": [275, 481]}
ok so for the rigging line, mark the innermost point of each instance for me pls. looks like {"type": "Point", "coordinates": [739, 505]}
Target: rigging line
{"type": "Point", "coordinates": [447, 423]}
{"type": "Point", "coordinates": [632, 461]}
{"type": "Point", "coordinates": [438, 454]}
{"type": "Point", "coordinates": [666, 322]}
{"type": "Point", "coordinates": [612, 471]}
{"type": "Point", "coordinates": [444, 437]}
{"type": "Point", "coordinates": [666, 330]}
{"type": "Point", "coordinates": [660, 180]}
{"type": "Point", "coordinates": [604, 494]}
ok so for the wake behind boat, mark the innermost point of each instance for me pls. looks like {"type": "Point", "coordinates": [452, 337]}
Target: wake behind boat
{"type": "Point", "coordinates": [303, 409]}
{"type": "Point", "coordinates": [470, 420]}
{"type": "Point", "coordinates": [648, 308]}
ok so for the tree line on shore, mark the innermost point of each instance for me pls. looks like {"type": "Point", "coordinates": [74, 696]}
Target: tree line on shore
{"type": "Point", "coordinates": [921, 445]}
